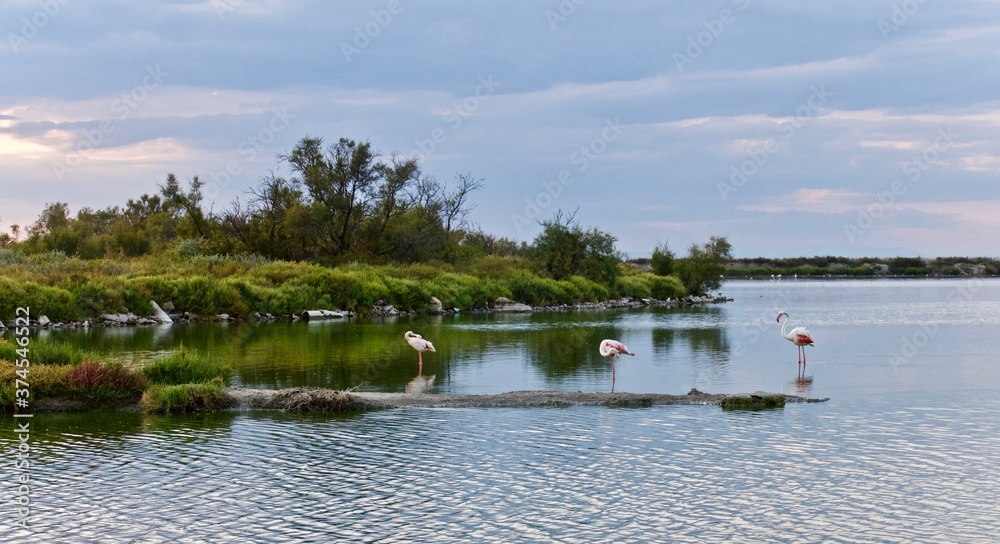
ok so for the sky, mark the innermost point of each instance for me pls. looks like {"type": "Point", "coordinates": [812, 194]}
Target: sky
{"type": "Point", "coordinates": [853, 128]}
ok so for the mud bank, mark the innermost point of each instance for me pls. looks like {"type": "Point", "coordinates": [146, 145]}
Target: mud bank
{"type": "Point", "coordinates": [310, 399]}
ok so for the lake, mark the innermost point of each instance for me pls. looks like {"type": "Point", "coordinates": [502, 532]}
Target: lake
{"type": "Point", "coordinates": [905, 450]}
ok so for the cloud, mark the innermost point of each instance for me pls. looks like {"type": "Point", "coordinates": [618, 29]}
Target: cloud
{"type": "Point", "coordinates": [825, 201]}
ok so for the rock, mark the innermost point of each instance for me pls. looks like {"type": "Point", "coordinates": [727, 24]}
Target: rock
{"type": "Point", "coordinates": [121, 319]}
{"type": "Point", "coordinates": [384, 310]}
{"type": "Point", "coordinates": [223, 317]}
{"type": "Point", "coordinates": [168, 306]}
{"type": "Point", "coordinates": [436, 306]}
{"type": "Point", "coordinates": [323, 314]}
{"type": "Point", "coordinates": [503, 304]}
{"type": "Point", "coordinates": [159, 315]}
{"type": "Point", "coordinates": [44, 321]}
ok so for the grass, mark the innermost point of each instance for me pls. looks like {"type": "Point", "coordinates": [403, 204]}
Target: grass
{"type": "Point", "coordinates": [185, 367]}
{"type": "Point", "coordinates": [42, 352]}
{"type": "Point", "coordinates": [181, 381]}
{"type": "Point", "coordinates": [183, 398]}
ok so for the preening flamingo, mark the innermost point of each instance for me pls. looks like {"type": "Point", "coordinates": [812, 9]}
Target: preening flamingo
{"type": "Point", "coordinates": [418, 343]}
{"type": "Point", "coordinates": [613, 348]}
{"type": "Point", "coordinates": [798, 336]}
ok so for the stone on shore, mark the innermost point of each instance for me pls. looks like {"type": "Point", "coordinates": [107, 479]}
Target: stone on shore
{"type": "Point", "coordinates": [159, 314]}
{"type": "Point", "coordinates": [323, 314]}
{"type": "Point", "coordinates": [504, 304]}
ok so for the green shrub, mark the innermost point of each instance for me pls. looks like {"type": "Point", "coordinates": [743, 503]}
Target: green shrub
{"type": "Point", "coordinates": [633, 286]}
{"type": "Point", "coordinates": [664, 287]}
{"type": "Point", "coordinates": [184, 398]}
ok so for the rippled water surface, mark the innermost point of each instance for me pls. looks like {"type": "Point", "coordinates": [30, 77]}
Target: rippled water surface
{"type": "Point", "coordinates": [906, 450]}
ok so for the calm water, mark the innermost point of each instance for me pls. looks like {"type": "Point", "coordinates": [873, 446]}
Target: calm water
{"type": "Point", "coordinates": [906, 450]}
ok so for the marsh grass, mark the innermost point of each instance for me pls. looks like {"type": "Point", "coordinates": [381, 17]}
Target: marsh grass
{"type": "Point", "coordinates": [96, 384]}
{"type": "Point", "coordinates": [183, 398]}
{"type": "Point", "coordinates": [186, 367]}
{"type": "Point", "coordinates": [44, 352]}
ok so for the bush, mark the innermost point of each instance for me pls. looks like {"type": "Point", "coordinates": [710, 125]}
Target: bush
{"type": "Point", "coordinates": [45, 380]}
{"type": "Point", "coordinates": [184, 398]}
{"type": "Point", "coordinates": [664, 287]}
{"type": "Point", "coordinates": [184, 367]}
{"type": "Point", "coordinates": [103, 382]}
{"type": "Point", "coordinates": [633, 286]}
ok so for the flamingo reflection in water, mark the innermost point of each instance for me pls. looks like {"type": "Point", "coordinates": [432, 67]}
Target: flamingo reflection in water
{"type": "Point", "coordinates": [420, 384]}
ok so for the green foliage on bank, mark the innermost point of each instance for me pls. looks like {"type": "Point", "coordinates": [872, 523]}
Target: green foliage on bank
{"type": "Point", "coordinates": [180, 381]}
{"type": "Point", "coordinates": [241, 286]}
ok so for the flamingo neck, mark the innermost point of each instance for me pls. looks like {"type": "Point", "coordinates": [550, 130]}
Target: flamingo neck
{"type": "Point", "coordinates": [783, 325]}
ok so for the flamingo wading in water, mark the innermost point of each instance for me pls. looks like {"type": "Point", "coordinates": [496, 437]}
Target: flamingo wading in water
{"type": "Point", "coordinates": [418, 343]}
{"type": "Point", "coordinates": [613, 348]}
{"type": "Point", "coordinates": [798, 336]}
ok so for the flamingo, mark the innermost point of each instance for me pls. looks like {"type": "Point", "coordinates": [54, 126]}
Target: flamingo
{"type": "Point", "coordinates": [418, 343]}
{"type": "Point", "coordinates": [798, 336]}
{"type": "Point", "coordinates": [614, 348]}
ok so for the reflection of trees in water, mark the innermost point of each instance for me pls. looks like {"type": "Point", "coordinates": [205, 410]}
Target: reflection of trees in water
{"type": "Point", "coordinates": [710, 350]}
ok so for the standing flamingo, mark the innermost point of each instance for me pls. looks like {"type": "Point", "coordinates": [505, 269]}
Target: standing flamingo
{"type": "Point", "coordinates": [798, 336]}
{"type": "Point", "coordinates": [614, 348]}
{"type": "Point", "coordinates": [418, 343]}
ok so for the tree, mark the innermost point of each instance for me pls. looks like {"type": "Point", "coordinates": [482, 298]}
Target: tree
{"type": "Point", "coordinates": [563, 249]}
{"type": "Point", "coordinates": [662, 261]}
{"type": "Point", "coordinates": [701, 271]}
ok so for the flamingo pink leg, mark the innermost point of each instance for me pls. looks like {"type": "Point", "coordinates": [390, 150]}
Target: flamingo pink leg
{"type": "Point", "coordinates": [612, 373]}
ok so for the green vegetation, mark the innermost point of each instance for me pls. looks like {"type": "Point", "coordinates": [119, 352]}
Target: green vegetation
{"type": "Point", "coordinates": [349, 228]}
{"type": "Point", "coordinates": [752, 402]}
{"type": "Point", "coordinates": [180, 381]}
{"type": "Point", "coordinates": [186, 367]}
{"type": "Point", "coordinates": [822, 266]}
{"type": "Point", "coordinates": [704, 266]}
{"type": "Point", "coordinates": [184, 398]}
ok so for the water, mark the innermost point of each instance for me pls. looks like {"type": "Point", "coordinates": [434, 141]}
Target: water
{"type": "Point", "coordinates": [904, 451]}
